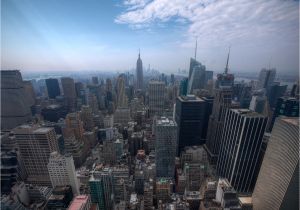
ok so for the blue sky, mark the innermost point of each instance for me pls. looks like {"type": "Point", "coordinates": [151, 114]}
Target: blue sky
{"type": "Point", "coordinates": [73, 35]}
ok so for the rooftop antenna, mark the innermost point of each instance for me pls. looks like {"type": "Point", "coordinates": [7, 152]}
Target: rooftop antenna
{"type": "Point", "coordinates": [196, 48]}
{"type": "Point", "coordinates": [226, 69]}
{"type": "Point", "coordinates": [139, 52]}
{"type": "Point", "coordinates": [270, 63]}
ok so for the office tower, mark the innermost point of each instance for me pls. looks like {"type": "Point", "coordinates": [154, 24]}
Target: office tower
{"type": "Point", "coordinates": [139, 73]}
{"type": "Point", "coordinates": [61, 169]}
{"type": "Point", "coordinates": [225, 80]}
{"type": "Point", "coordinates": [274, 92]}
{"type": "Point", "coordinates": [156, 97]}
{"type": "Point", "coordinates": [197, 76]}
{"type": "Point", "coordinates": [122, 116]}
{"type": "Point", "coordinates": [163, 189]}
{"type": "Point", "coordinates": [242, 93]}
{"type": "Point", "coordinates": [121, 96]}
{"type": "Point", "coordinates": [78, 88]}
{"type": "Point", "coordinates": [165, 147]}
{"type": "Point", "coordinates": [277, 185]}
{"type": "Point", "coordinates": [108, 188]}
{"type": "Point", "coordinates": [86, 115]}
{"type": "Point", "coordinates": [121, 182]}
{"type": "Point", "coordinates": [29, 91]}
{"type": "Point", "coordinates": [209, 101]}
{"type": "Point", "coordinates": [60, 198]}
{"type": "Point", "coordinates": [194, 174]}
{"type": "Point", "coordinates": [295, 90]}
{"type": "Point", "coordinates": [226, 195]}
{"type": "Point", "coordinates": [183, 87]}
{"type": "Point", "coordinates": [222, 101]}
{"type": "Point", "coordinates": [68, 86]}
{"type": "Point", "coordinates": [258, 102]}
{"type": "Point", "coordinates": [92, 102]}
{"type": "Point", "coordinates": [97, 192]}
{"type": "Point", "coordinates": [285, 106]}
{"type": "Point", "coordinates": [135, 142]}
{"type": "Point", "coordinates": [36, 144]}
{"type": "Point", "coordinates": [80, 202]}
{"type": "Point", "coordinates": [109, 152]}
{"type": "Point", "coordinates": [15, 107]}
{"type": "Point", "coordinates": [189, 116]}
{"type": "Point", "coordinates": [139, 181]}
{"type": "Point", "coordinates": [95, 80]}
{"type": "Point", "coordinates": [148, 196]}
{"type": "Point", "coordinates": [52, 87]}
{"type": "Point", "coordinates": [266, 77]}
{"type": "Point", "coordinates": [240, 147]}
{"type": "Point", "coordinates": [54, 112]}
{"type": "Point", "coordinates": [208, 76]}
{"type": "Point", "coordinates": [74, 123]}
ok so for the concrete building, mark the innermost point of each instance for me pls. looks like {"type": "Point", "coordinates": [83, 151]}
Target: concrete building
{"type": "Point", "coordinates": [86, 116]}
{"type": "Point", "coordinates": [156, 97]}
{"type": "Point", "coordinates": [15, 106]}
{"type": "Point", "coordinates": [62, 171]}
{"type": "Point", "coordinates": [165, 147]}
{"type": "Point", "coordinates": [35, 144]}
{"type": "Point", "coordinates": [240, 148]}
{"type": "Point", "coordinates": [227, 196]}
{"type": "Point", "coordinates": [277, 185]}
{"type": "Point", "coordinates": [163, 190]}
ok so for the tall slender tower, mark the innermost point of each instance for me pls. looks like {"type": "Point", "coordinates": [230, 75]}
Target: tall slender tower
{"type": "Point", "coordinates": [139, 73]}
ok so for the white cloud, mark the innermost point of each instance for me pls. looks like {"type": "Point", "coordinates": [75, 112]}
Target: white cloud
{"type": "Point", "coordinates": [215, 21]}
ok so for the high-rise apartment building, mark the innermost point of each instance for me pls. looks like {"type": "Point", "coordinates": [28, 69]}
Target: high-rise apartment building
{"type": "Point", "coordinates": [52, 87]}
{"type": "Point", "coordinates": [156, 97]}
{"type": "Point", "coordinates": [62, 171]}
{"type": "Point", "coordinates": [165, 147]}
{"type": "Point", "coordinates": [266, 77]}
{"type": "Point", "coordinates": [15, 106]}
{"type": "Point", "coordinates": [69, 90]}
{"type": "Point", "coordinates": [277, 185]}
{"type": "Point", "coordinates": [36, 144]}
{"type": "Point", "coordinates": [139, 73]}
{"type": "Point", "coordinates": [240, 147]}
{"type": "Point", "coordinates": [190, 119]}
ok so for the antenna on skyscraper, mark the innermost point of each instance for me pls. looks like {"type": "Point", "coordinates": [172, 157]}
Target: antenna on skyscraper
{"type": "Point", "coordinates": [196, 48]}
{"type": "Point", "coordinates": [270, 62]}
{"type": "Point", "coordinates": [226, 68]}
{"type": "Point", "coordinates": [139, 52]}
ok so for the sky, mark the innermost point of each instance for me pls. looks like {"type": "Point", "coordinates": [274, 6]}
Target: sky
{"type": "Point", "coordinates": [106, 35]}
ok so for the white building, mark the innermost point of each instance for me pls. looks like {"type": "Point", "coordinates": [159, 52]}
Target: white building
{"type": "Point", "coordinates": [62, 171]}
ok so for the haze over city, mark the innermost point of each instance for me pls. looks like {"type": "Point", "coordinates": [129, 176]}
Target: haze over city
{"type": "Point", "coordinates": [106, 35]}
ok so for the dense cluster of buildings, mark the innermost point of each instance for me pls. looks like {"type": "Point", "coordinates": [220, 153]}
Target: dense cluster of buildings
{"type": "Point", "coordinates": [149, 142]}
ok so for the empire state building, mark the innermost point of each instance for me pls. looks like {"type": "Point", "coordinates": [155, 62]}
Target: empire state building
{"type": "Point", "coordinates": [139, 73]}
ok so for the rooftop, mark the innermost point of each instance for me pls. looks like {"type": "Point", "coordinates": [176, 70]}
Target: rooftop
{"type": "Point", "coordinates": [190, 98]}
{"type": "Point", "coordinates": [78, 202]}
{"type": "Point", "coordinates": [291, 120]}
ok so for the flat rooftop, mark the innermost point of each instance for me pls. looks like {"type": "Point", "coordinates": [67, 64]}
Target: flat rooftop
{"type": "Point", "coordinates": [190, 98]}
{"type": "Point", "coordinates": [78, 202]}
{"type": "Point", "coordinates": [291, 120]}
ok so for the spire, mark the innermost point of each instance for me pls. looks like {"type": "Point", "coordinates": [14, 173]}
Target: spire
{"type": "Point", "coordinates": [139, 52]}
{"type": "Point", "coordinates": [226, 69]}
{"type": "Point", "coordinates": [196, 48]}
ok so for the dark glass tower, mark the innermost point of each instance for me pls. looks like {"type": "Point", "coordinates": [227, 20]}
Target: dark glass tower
{"type": "Point", "coordinates": [53, 88]}
{"type": "Point", "coordinates": [190, 116]}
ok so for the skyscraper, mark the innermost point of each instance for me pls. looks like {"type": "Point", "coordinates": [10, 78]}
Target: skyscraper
{"type": "Point", "coordinates": [165, 147]}
{"type": "Point", "coordinates": [97, 192]}
{"type": "Point", "coordinates": [68, 86]}
{"type": "Point", "coordinates": [15, 107]}
{"type": "Point", "coordinates": [52, 87]}
{"type": "Point", "coordinates": [156, 97]}
{"type": "Point", "coordinates": [139, 73]}
{"type": "Point", "coordinates": [274, 92]}
{"type": "Point", "coordinates": [36, 144]}
{"type": "Point", "coordinates": [189, 116]}
{"type": "Point", "coordinates": [62, 171]}
{"type": "Point", "coordinates": [266, 77]}
{"type": "Point", "coordinates": [277, 185]}
{"type": "Point", "coordinates": [121, 96]}
{"type": "Point", "coordinates": [183, 87]}
{"type": "Point", "coordinates": [240, 147]}
{"type": "Point", "coordinates": [222, 101]}
{"type": "Point", "coordinates": [196, 76]}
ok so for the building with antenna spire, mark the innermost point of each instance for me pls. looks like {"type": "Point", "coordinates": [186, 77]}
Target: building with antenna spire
{"type": "Point", "coordinates": [139, 73]}
{"type": "Point", "coordinates": [225, 79]}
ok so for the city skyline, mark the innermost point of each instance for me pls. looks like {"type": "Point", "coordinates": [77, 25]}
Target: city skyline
{"type": "Point", "coordinates": [74, 36]}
